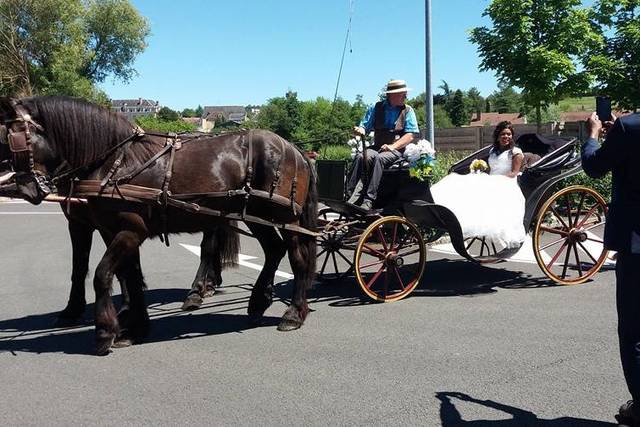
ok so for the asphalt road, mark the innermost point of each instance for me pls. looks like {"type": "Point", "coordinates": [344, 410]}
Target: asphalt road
{"type": "Point", "coordinates": [474, 345]}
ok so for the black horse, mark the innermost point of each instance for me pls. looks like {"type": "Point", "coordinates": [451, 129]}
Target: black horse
{"type": "Point", "coordinates": [150, 185]}
{"type": "Point", "coordinates": [217, 249]}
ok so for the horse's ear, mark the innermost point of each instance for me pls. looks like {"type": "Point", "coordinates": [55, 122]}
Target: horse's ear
{"type": "Point", "coordinates": [6, 108]}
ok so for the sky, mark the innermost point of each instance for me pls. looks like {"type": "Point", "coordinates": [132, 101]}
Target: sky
{"type": "Point", "coordinates": [244, 52]}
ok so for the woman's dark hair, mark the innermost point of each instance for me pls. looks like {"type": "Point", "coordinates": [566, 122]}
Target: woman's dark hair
{"type": "Point", "coordinates": [498, 130]}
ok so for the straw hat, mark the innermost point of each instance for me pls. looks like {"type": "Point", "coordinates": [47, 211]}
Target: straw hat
{"type": "Point", "coordinates": [396, 86]}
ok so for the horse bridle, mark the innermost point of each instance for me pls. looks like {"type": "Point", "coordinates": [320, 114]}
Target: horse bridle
{"type": "Point", "coordinates": [18, 137]}
{"type": "Point", "coordinates": [17, 134]}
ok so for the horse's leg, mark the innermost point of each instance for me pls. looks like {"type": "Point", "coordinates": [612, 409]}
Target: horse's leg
{"type": "Point", "coordinates": [81, 236]}
{"type": "Point", "coordinates": [133, 317]}
{"type": "Point", "coordinates": [208, 276]}
{"type": "Point", "coordinates": [301, 250]}
{"type": "Point", "coordinates": [274, 249]}
{"type": "Point", "coordinates": [122, 249]}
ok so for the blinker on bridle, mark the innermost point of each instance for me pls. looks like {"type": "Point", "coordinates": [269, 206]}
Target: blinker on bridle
{"type": "Point", "coordinates": [17, 134]}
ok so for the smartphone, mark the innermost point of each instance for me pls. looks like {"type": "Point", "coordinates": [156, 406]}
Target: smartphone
{"type": "Point", "coordinates": [603, 108]}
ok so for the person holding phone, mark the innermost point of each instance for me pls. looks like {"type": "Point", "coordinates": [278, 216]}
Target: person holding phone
{"type": "Point", "coordinates": [395, 125]}
{"type": "Point", "coordinates": [620, 154]}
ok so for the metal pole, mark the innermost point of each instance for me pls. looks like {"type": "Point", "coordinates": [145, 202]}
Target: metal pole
{"type": "Point", "coordinates": [428, 93]}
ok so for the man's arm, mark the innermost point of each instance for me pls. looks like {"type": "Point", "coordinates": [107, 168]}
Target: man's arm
{"type": "Point", "coordinates": [597, 159]}
{"type": "Point", "coordinates": [412, 133]}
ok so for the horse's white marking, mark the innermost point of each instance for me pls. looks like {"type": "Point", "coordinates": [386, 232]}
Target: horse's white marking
{"type": "Point", "coordinates": [242, 260]}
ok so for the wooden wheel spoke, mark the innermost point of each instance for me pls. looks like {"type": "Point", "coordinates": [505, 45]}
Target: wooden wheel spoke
{"type": "Point", "coordinates": [335, 262]}
{"type": "Point", "coordinates": [548, 245]}
{"type": "Point", "coordinates": [585, 250]}
{"type": "Point", "coordinates": [393, 236]}
{"type": "Point", "coordinates": [555, 257]}
{"type": "Point", "coordinates": [345, 258]}
{"type": "Point", "coordinates": [324, 264]}
{"type": "Point", "coordinates": [554, 230]}
{"type": "Point", "coordinates": [320, 254]}
{"type": "Point", "coordinates": [382, 239]}
{"type": "Point", "coordinates": [404, 239]}
{"type": "Point", "coordinates": [397, 273]}
{"type": "Point", "coordinates": [568, 200]}
{"type": "Point", "coordinates": [594, 225]}
{"type": "Point", "coordinates": [375, 277]}
{"type": "Point", "coordinates": [575, 253]}
{"type": "Point", "coordinates": [566, 261]}
{"type": "Point", "coordinates": [411, 252]}
{"type": "Point", "coordinates": [559, 217]}
{"type": "Point", "coordinates": [372, 251]}
{"type": "Point", "coordinates": [591, 239]}
{"type": "Point", "coordinates": [473, 239]}
{"type": "Point", "coordinates": [587, 215]}
{"type": "Point", "coordinates": [579, 209]}
{"type": "Point", "coordinates": [371, 264]}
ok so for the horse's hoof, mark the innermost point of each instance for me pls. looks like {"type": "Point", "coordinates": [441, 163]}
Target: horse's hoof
{"type": "Point", "coordinates": [193, 302]}
{"type": "Point", "coordinates": [289, 325]}
{"type": "Point", "coordinates": [103, 347]}
{"type": "Point", "coordinates": [123, 342]}
{"type": "Point", "coordinates": [209, 293]}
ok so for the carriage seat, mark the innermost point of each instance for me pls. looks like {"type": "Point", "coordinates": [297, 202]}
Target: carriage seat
{"type": "Point", "coordinates": [537, 147]}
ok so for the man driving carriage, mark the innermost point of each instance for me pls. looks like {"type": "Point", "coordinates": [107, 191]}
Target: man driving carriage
{"type": "Point", "coordinates": [395, 125]}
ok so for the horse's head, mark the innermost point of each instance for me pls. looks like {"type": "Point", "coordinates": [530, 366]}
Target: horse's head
{"type": "Point", "coordinates": [24, 146]}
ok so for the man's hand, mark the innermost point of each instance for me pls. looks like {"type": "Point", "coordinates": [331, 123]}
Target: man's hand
{"type": "Point", "coordinates": [385, 147]}
{"type": "Point", "coordinates": [594, 126]}
{"type": "Point", "coordinates": [358, 130]}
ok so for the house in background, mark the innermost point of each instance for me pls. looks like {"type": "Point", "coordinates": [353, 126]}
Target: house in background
{"type": "Point", "coordinates": [492, 119]}
{"type": "Point", "coordinates": [234, 114]}
{"type": "Point", "coordinates": [132, 108]}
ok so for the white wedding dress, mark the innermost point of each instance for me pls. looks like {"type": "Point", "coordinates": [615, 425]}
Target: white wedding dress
{"type": "Point", "coordinates": [486, 205]}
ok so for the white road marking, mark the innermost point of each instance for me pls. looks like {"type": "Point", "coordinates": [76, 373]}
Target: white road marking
{"type": "Point", "coordinates": [243, 260]}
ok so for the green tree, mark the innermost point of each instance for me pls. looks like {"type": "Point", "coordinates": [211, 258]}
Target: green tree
{"type": "Point", "coordinates": [168, 115]}
{"type": "Point", "coordinates": [458, 112]}
{"type": "Point", "coordinates": [616, 63]}
{"type": "Point", "coordinates": [281, 115]}
{"type": "Point", "coordinates": [151, 123]}
{"type": "Point", "coordinates": [534, 45]}
{"type": "Point", "coordinates": [65, 47]}
{"type": "Point", "coordinates": [505, 100]}
{"type": "Point", "coordinates": [189, 112]}
{"type": "Point", "coordinates": [441, 118]}
{"type": "Point", "coordinates": [474, 102]}
{"type": "Point", "coordinates": [199, 111]}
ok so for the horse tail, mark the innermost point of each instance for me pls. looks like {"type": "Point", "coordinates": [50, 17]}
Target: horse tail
{"type": "Point", "coordinates": [309, 220]}
{"type": "Point", "coordinates": [229, 244]}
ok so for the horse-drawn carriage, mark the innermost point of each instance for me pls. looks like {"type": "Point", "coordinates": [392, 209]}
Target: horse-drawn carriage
{"type": "Point", "coordinates": [389, 249]}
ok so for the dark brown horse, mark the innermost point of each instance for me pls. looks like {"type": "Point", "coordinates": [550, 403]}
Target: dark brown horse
{"type": "Point", "coordinates": [142, 186]}
{"type": "Point", "coordinates": [218, 248]}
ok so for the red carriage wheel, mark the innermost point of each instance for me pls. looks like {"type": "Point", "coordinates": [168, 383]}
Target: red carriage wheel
{"type": "Point", "coordinates": [568, 239]}
{"type": "Point", "coordinates": [389, 259]}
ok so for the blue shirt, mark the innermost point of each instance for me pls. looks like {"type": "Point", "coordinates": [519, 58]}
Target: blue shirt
{"type": "Point", "coordinates": [390, 116]}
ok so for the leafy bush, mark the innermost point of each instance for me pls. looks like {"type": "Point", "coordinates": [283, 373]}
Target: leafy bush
{"type": "Point", "coordinates": [150, 123]}
{"type": "Point", "coordinates": [335, 152]}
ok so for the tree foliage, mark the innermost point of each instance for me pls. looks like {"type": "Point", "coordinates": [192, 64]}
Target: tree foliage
{"type": "Point", "coordinates": [65, 47]}
{"type": "Point", "coordinates": [158, 124]}
{"type": "Point", "coordinates": [168, 115]}
{"type": "Point", "coordinates": [457, 111]}
{"type": "Point", "coordinates": [535, 45]}
{"type": "Point", "coordinates": [616, 62]}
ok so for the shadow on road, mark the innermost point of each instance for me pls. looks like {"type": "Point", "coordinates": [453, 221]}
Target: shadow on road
{"type": "Point", "coordinates": [442, 277]}
{"type": "Point", "coordinates": [35, 333]}
{"type": "Point", "coordinates": [451, 417]}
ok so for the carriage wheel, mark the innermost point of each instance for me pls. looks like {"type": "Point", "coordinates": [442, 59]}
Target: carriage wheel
{"type": "Point", "coordinates": [390, 259]}
{"type": "Point", "coordinates": [485, 250]}
{"type": "Point", "coordinates": [568, 238]}
{"type": "Point", "coordinates": [331, 242]}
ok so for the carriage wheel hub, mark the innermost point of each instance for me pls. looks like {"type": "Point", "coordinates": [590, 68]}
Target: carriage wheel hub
{"type": "Point", "coordinates": [577, 235]}
{"type": "Point", "coordinates": [393, 259]}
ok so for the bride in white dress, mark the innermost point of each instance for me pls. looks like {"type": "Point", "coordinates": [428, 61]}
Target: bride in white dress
{"type": "Point", "coordinates": [489, 205]}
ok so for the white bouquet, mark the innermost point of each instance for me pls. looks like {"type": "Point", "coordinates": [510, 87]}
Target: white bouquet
{"type": "Point", "coordinates": [421, 156]}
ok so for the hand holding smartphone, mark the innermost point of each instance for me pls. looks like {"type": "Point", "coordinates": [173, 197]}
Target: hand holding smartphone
{"type": "Point", "coordinates": [603, 108]}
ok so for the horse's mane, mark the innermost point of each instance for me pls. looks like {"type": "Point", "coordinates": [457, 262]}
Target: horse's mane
{"type": "Point", "coordinates": [79, 130]}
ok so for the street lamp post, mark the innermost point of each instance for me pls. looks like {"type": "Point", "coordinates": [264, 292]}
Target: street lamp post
{"type": "Point", "coordinates": [428, 93]}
